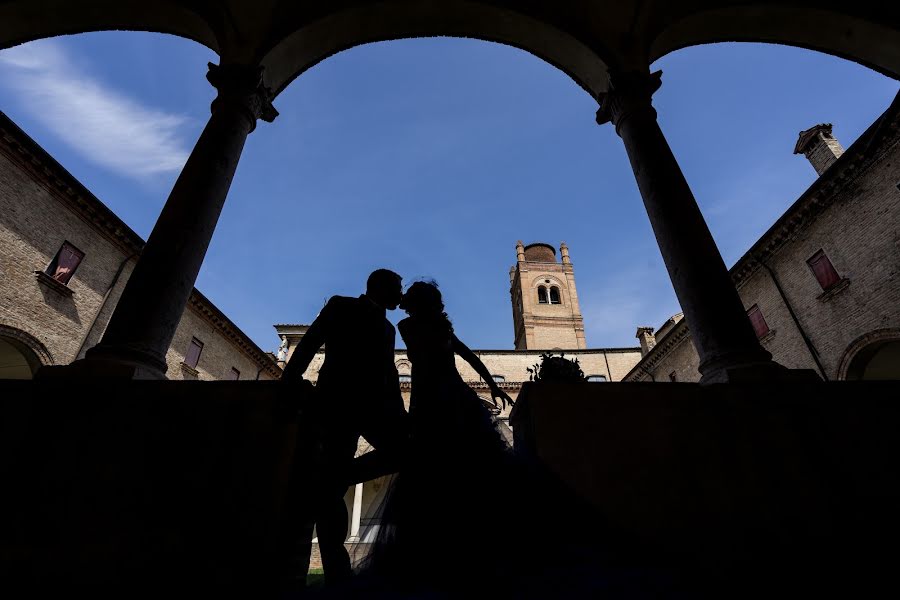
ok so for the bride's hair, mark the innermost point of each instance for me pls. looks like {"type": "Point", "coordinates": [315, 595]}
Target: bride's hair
{"type": "Point", "coordinates": [423, 299]}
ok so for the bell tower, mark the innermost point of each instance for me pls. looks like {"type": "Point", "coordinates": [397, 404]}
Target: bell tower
{"type": "Point", "coordinates": [546, 315]}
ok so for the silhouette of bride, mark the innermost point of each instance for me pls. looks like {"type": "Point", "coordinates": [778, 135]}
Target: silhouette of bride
{"type": "Point", "coordinates": [464, 513]}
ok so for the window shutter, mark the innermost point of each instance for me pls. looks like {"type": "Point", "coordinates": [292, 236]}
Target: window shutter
{"type": "Point", "coordinates": [758, 321]}
{"type": "Point", "coordinates": [823, 270]}
{"type": "Point", "coordinates": [193, 354]}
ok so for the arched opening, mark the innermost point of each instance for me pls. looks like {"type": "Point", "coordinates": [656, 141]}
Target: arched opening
{"type": "Point", "coordinates": [878, 361]}
{"type": "Point", "coordinates": [859, 37]}
{"type": "Point", "coordinates": [543, 298]}
{"type": "Point", "coordinates": [28, 20]}
{"type": "Point", "coordinates": [17, 360]}
{"type": "Point", "coordinates": [356, 25]}
{"type": "Point", "coordinates": [554, 295]}
{"type": "Point", "coordinates": [392, 20]}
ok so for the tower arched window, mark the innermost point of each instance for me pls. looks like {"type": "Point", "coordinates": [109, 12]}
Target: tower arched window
{"type": "Point", "coordinates": [543, 298]}
{"type": "Point", "coordinates": [554, 295]}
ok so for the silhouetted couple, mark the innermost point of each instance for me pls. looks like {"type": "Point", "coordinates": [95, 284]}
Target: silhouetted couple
{"type": "Point", "coordinates": [462, 512]}
{"type": "Point", "coordinates": [358, 394]}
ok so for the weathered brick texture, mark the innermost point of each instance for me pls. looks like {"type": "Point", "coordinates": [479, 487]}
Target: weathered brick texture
{"type": "Point", "coordinates": [852, 213]}
{"type": "Point", "coordinates": [42, 206]}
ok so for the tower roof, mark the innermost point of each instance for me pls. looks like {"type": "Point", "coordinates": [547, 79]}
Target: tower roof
{"type": "Point", "coordinates": [540, 252]}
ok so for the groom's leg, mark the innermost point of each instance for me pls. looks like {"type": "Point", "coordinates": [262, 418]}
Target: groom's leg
{"type": "Point", "coordinates": [294, 543]}
{"type": "Point", "coordinates": [331, 528]}
{"type": "Point", "coordinates": [331, 514]}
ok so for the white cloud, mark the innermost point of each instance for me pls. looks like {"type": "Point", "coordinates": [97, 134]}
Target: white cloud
{"type": "Point", "coordinates": [101, 123]}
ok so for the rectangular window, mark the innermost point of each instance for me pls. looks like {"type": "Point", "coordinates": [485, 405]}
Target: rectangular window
{"type": "Point", "coordinates": [192, 357]}
{"type": "Point", "coordinates": [758, 321]}
{"type": "Point", "coordinates": [63, 266]}
{"type": "Point", "coordinates": [234, 374]}
{"type": "Point", "coordinates": [823, 270]}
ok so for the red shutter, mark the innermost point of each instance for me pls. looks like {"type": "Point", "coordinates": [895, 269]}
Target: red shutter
{"type": "Point", "coordinates": [67, 260]}
{"type": "Point", "coordinates": [823, 270]}
{"type": "Point", "coordinates": [758, 321]}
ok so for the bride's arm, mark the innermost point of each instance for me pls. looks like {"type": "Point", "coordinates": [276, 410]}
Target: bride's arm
{"type": "Point", "coordinates": [471, 358]}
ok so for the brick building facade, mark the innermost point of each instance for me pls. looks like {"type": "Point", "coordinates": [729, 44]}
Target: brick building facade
{"type": "Point", "coordinates": [64, 260]}
{"type": "Point", "coordinates": [822, 285]}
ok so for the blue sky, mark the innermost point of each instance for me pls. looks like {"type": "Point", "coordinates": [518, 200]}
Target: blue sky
{"type": "Point", "coordinates": [432, 157]}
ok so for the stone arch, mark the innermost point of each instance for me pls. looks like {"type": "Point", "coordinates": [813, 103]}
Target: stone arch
{"type": "Point", "coordinates": [540, 280]}
{"type": "Point", "coordinates": [559, 284]}
{"type": "Point", "coordinates": [862, 37]}
{"type": "Point", "coordinates": [579, 38]}
{"type": "Point", "coordinates": [363, 23]}
{"type": "Point", "coordinates": [28, 20]}
{"type": "Point", "coordinates": [862, 349]}
{"type": "Point", "coordinates": [32, 352]}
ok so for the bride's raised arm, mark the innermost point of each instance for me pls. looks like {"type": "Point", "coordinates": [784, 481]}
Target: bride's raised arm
{"type": "Point", "coordinates": [471, 358]}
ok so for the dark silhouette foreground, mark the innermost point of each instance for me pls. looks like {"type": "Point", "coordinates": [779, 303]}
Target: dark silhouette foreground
{"type": "Point", "coordinates": [464, 515]}
{"type": "Point", "coordinates": [358, 394]}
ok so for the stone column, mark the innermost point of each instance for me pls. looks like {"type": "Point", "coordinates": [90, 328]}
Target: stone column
{"type": "Point", "coordinates": [356, 515]}
{"type": "Point", "coordinates": [143, 324]}
{"type": "Point", "coordinates": [720, 329]}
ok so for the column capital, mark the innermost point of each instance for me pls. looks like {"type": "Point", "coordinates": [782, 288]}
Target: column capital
{"type": "Point", "coordinates": [242, 87]}
{"type": "Point", "coordinates": [629, 94]}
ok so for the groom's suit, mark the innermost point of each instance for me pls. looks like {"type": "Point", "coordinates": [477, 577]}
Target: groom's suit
{"type": "Point", "coordinates": [358, 394]}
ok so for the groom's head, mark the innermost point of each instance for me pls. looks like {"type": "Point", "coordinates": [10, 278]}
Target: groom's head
{"type": "Point", "coordinates": [385, 288]}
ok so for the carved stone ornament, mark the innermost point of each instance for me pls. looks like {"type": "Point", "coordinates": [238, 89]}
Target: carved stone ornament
{"type": "Point", "coordinates": [241, 86]}
{"type": "Point", "coordinates": [629, 94]}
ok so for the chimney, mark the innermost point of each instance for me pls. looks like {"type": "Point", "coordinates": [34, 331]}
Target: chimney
{"type": "Point", "coordinates": [648, 340]}
{"type": "Point", "coordinates": [819, 146]}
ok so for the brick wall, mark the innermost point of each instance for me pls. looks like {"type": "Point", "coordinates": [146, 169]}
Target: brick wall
{"type": "Point", "coordinates": [33, 226]}
{"type": "Point", "coordinates": [859, 230]}
{"type": "Point", "coordinates": [513, 365]}
{"type": "Point", "coordinates": [219, 355]}
{"type": "Point", "coordinates": [683, 363]}
{"type": "Point", "coordinates": [39, 210]}
{"type": "Point", "coordinates": [860, 233]}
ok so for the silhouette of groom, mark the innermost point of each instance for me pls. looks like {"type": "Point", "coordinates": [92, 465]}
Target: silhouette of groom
{"type": "Point", "coordinates": [358, 394]}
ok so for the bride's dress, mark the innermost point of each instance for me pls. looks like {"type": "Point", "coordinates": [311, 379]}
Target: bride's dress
{"type": "Point", "coordinates": [464, 513]}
